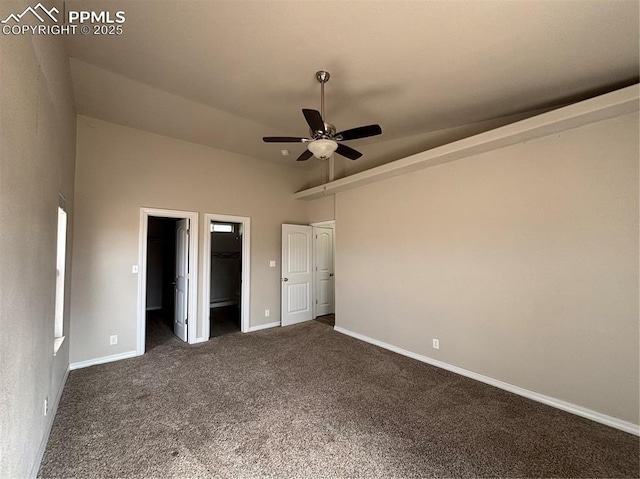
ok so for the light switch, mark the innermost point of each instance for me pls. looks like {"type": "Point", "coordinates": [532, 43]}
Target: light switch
{"type": "Point", "coordinates": [134, 269]}
{"type": "Point", "coordinates": [272, 264]}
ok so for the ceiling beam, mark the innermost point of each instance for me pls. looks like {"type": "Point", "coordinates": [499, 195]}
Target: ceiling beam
{"type": "Point", "coordinates": [609, 105]}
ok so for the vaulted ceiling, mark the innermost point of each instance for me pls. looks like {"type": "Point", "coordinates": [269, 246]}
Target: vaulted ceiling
{"type": "Point", "coordinates": [226, 73]}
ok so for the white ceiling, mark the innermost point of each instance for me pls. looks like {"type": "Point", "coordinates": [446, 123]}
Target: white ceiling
{"type": "Point", "coordinates": [226, 73]}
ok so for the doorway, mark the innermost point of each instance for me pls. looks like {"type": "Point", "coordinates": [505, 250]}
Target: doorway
{"type": "Point", "coordinates": [167, 273]}
{"type": "Point", "coordinates": [161, 271]}
{"type": "Point", "coordinates": [225, 291]}
{"type": "Point", "coordinates": [308, 279]}
{"type": "Point", "coordinates": [226, 274]}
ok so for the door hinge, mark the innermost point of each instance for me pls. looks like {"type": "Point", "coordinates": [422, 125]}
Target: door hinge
{"type": "Point", "coordinates": [316, 301]}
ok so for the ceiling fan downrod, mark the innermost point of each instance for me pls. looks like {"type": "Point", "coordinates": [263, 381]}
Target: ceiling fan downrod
{"type": "Point", "coordinates": [322, 77]}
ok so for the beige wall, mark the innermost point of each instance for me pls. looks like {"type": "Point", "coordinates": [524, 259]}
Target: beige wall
{"type": "Point", "coordinates": [119, 170]}
{"type": "Point", "coordinates": [523, 262]}
{"type": "Point", "coordinates": [37, 152]}
{"type": "Point", "coordinates": [322, 209]}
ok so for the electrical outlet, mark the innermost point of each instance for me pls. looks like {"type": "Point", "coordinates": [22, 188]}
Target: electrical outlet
{"type": "Point", "coordinates": [267, 313]}
{"type": "Point", "coordinates": [436, 344]}
{"type": "Point", "coordinates": [46, 406]}
{"type": "Point", "coordinates": [113, 339]}
{"type": "Point", "coordinates": [272, 264]}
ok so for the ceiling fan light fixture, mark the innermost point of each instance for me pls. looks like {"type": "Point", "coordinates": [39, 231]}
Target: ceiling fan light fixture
{"type": "Point", "coordinates": [322, 149]}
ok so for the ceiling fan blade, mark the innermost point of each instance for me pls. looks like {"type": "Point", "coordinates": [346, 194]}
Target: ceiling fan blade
{"type": "Point", "coordinates": [314, 119]}
{"type": "Point", "coordinates": [348, 152]}
{"type": "Point", "coordinates": [360, 132]}
{"type": "Point", "coordinates": [306, 154]}
{"type": "Point", "coordinates": [282, 139]}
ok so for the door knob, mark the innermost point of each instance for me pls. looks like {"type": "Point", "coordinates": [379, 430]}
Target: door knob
{"type": "Point", "coordinates": [285, 279]}
{"type": "Point", "coordinates": [330, 274]}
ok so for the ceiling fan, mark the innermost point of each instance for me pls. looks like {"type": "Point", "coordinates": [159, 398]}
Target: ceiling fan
{"type": "Point", "coordinates": [323, 141]}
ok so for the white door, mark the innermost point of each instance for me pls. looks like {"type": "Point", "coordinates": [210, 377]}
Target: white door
{"type": "Point", "coordinates": [324, 279]}
{"type": "Point", "coordinates": [182, 280]}
{"type": "Point", "coordinates": [296, 274]}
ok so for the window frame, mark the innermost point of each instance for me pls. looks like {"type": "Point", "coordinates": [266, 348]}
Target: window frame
{"type": "Point", "coordinates": [61, 260]}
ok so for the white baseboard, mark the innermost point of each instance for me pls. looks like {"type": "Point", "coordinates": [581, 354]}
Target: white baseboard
{"type": "Point", "coordinates": [263, 326]}
{"type": "Point", "coordinates": [53, 409]}
{"type": "Point", "coordinates": [550, 401]}
{"type": "Point", "coordinates": [102, 360]}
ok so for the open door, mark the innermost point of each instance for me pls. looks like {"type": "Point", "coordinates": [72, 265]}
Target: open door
{"type": "Point", "coordinates": [180, 319]}
{"type": "Point", "coordinates": [296, 274]}
{"type": "Point", "coordinates": [323, 251]}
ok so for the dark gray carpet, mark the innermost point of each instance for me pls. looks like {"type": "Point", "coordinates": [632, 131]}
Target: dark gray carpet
{"type": "Point", "coordinates": [305, 401]}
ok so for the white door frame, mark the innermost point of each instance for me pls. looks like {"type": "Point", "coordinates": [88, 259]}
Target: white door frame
{"type": "Point", "coordinates": [322, 224]}
{"type": "Point", "coordinates": [245, 291]}
{"type": "Point", "coordinates": [192, 307]}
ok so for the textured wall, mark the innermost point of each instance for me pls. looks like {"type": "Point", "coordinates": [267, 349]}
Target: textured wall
{"type": "Point", "coordinates": [119, 170]}
{"type": "Point", "coordinates": [522, 261]}
{"type": "Point", "coordinates": [37, 153]}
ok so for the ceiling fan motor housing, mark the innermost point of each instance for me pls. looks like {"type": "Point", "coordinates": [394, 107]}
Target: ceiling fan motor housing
{"type": "Point", "coordinates": [329, 132]}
